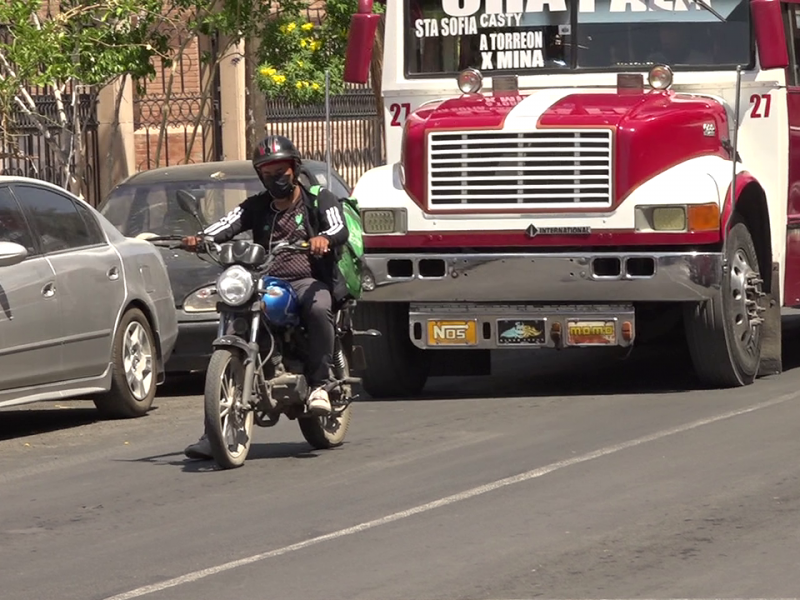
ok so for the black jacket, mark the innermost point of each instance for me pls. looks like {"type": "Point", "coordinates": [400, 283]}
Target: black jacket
{"type": "Point", "coordinates": [325, 219]}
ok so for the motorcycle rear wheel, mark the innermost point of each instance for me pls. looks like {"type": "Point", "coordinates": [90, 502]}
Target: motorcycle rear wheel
{"type": "Point", "coordinates": [229, 423]}
{"type": "Point", "coordinates": [328, 432]}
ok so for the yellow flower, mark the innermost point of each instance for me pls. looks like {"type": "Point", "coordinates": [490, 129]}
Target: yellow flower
{"type": "Point", "coordinates": [290, 27]}
{"type": "Point", "coordinates": [307, 27]}
{"type": "Point", "coordinates": [267, 71]}
{"type": "Point", "coordinates": [315, 44]}
{"type": "Point", "coordinates": [305, 84]}
{"type": "Point", "coordinates": [299, 85]}
{"type": "Point", "coordinates": [303, 43]}
{"type": "Point", "coordinates": [315, 86]}
{"type": "Point", "coordinates": [279, 79]}
{"type": "Point", "coordinates": [264, 71]}
{"type": "Point", "coordinates": [299, 63]}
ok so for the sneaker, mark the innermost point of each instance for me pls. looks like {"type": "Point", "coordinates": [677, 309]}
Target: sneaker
{"type": "Point", "coordinates": [319, 403]}
{"type": "Point", "coordinates": [201, 449]}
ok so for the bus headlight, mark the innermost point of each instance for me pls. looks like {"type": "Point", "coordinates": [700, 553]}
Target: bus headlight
{"type": "Point", "coordinates": [678, 218]}
{"type": "Point", "coordinates": [470, 81]}
{"type": "Point", "coordinates": [382, 221]}
{"type": "Point", "coordinates": [660, 77]}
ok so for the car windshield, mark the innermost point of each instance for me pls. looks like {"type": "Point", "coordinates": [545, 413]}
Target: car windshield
{"type": "Point", "coordinates": [136, 209]}
{"type": "Point", "coordinates": [446, 36]}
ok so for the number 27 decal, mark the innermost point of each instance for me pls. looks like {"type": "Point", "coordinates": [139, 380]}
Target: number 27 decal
{"type": "Point", "coordinates": [756, 100]}
{"type": "Point", "coordinates": [396, 110]}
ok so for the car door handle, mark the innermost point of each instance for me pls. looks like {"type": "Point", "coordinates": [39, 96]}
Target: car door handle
{"type": "Point", "coordinates": [49, 290]}
{"type": "Point", "coordinates": [113, 273]}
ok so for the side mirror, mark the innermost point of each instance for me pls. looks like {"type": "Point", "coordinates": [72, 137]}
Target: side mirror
{"type": "Point", "coordinates": [770, 34]}
{"type": "Point", "coordinates": [360, 43]}
{"type": "Point", "coordinates": [189, 204]}
{"type": "Point", "coordinates": [11, 254]}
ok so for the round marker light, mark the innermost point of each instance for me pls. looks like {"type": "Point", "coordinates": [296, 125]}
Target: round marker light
{"type": "Point", "coordinates": [660, 77]}
{"type": "Point", "coordinates": [470, 81]}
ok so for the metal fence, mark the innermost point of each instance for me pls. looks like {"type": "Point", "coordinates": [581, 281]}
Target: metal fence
{"type": "Point", "coordinates": [24, 151]}
{"type": "Point", "coordinates": [357, 143]}
{"type": "Point", "coordinates": [192, 122]}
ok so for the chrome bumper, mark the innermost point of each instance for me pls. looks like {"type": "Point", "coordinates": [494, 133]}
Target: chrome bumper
{"type": "Point", "coordinates": [563, 277]}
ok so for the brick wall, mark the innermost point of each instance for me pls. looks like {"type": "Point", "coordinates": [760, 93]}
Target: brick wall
{"type": "Point", "coordinates": [183, 109]}
{"type": "Point", "coordinates": [173, 150]}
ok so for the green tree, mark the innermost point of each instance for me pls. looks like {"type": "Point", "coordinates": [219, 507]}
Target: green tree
{"type": "Point", "coordinates": [71, 56]}
{"type": "Point", "coordinates": [295, 52]}
{"type": "Point", "coordinates": [87, 45]}
{"type": "Point", "coordinates": [229, 22]}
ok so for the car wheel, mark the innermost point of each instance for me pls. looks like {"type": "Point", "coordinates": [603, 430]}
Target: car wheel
{"type": "Point", "coordinates": [133, 381]}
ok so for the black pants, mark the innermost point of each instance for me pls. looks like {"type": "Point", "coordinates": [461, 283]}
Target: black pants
{"type": "Point", "coordinates": [317, 314]}
{"type": "Point", "coordinates": [316, 311]}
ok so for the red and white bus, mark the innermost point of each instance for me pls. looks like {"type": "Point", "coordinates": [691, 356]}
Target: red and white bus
{"type": "Point", "coordinates": [560, 175]}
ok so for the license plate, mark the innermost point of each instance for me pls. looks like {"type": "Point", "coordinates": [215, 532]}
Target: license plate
{"type": "Point", "coordinates": [591, 333]}
{"type": "Point", "coordinates": [453, 333]}
{"type": "Point", "coordinates": [518, 332]}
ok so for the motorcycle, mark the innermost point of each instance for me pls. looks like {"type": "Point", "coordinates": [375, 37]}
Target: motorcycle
{"type": "Point", "coordinates": [256, 372]}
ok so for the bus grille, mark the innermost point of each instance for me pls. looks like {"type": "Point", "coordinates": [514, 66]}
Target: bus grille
{"type": "Point", "coordinates": [501, 170]}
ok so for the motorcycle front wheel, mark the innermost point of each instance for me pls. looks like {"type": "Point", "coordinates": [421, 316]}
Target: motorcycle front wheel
{"type": "Point", "coordinates": [229, 423]}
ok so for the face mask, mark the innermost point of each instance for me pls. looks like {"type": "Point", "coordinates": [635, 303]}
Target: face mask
{"type": "Point", "coordinates": [279, 187]}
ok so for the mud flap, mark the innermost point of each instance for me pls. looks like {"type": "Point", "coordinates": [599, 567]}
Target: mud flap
{"type": "Point", "coordinates": [359, 359]}
{"type": "Point", "coordinates": [771, 348]}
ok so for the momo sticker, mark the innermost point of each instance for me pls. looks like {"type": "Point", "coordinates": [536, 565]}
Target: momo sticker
{"type": "Point", "coordinates": [591, 333]}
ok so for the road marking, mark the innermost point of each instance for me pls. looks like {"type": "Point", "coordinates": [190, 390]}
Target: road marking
{"type": "Point", "coordinates": [447, 500]}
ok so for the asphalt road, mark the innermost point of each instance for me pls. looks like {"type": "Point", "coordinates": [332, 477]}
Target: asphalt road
{"type": "Point", "coordinates": [563, 476]}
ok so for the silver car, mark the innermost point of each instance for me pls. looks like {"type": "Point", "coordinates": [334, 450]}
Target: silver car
{"type": "Point", "coordinates": [84, 311]}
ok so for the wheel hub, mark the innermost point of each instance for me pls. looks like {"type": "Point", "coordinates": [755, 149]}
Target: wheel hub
{"type": "Point", "coordinates": [746, 291]}
{"type": "Point", "coordinates": [137, 359]}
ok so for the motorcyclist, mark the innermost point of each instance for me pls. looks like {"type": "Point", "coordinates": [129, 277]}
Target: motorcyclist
{"type": "Point", "coordinates": [286, 212]}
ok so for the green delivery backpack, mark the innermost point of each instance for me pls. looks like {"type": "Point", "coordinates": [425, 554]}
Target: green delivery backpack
{"type": "Point", "coordinates": [351, 258]}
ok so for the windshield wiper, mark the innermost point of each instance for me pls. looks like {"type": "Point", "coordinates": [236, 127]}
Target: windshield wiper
{"type": "Point", "coordinates": [708, 7]}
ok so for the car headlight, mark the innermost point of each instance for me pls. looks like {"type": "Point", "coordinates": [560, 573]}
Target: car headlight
{"type": "Point", "coordinates": [202, 300]}
{"type": "Point", "coordinates": [377, 221]}
{"type": "Point", "coordinates": [235, 285]}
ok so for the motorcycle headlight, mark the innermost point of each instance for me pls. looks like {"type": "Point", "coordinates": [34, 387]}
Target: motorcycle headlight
{"type": "Point", "coordinates": [202, 300]}
{"type": "Point", "coordinates": [235, 285]}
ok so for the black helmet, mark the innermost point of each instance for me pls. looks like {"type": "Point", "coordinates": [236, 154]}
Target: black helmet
{"type": "Point", "coordinates": [274, 148]}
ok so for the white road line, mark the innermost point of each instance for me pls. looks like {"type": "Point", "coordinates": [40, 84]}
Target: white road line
{"type": "Point", "coordinates": [465, 495]}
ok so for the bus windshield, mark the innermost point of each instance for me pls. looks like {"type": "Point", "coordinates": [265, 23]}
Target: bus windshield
{"type": "Point", "coordinates": [525, 36]}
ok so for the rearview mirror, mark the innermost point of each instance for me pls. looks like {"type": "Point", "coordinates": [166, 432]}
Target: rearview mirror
{"type": "Point", "coordinates": [11, 254]}
{"type": "Point", "coordinates": [770, 34]}
{"type": "Point", "coordinates": [189, 204]}
{"type": "Point", "coordinates": [360, 42]}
